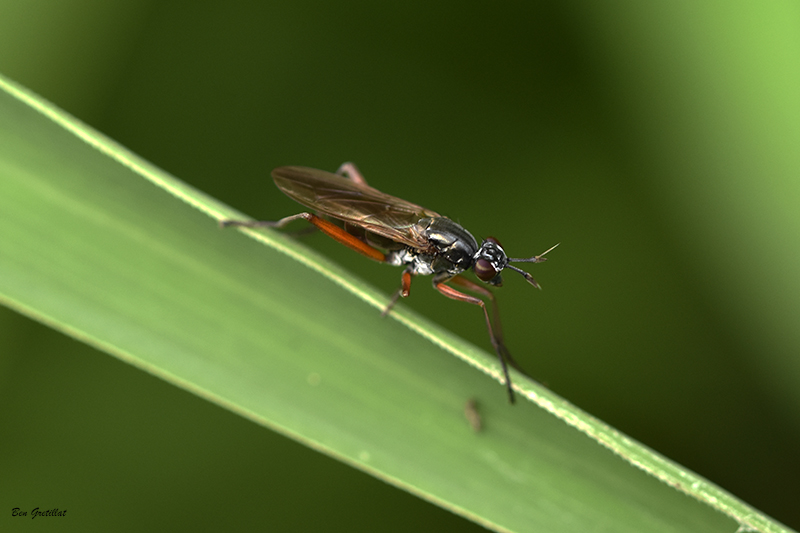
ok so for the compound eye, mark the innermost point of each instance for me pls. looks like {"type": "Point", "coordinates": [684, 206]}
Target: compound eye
{"type": "Point", "coordinates": [492, 239]}
{"type": "Point", "coordinates": [484, 270]}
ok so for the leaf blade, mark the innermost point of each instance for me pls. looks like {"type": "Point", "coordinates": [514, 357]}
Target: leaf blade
{"type": "Point", "coordinates": [96, 251]}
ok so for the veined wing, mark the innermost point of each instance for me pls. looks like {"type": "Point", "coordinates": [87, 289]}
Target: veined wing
{"type": "Point", "coordinates": [346, 200]}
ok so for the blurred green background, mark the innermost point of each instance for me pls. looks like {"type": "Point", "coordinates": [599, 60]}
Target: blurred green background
{"type": "Point", "coordinates": [658, 144]}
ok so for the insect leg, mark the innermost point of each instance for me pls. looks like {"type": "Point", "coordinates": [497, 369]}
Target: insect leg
{"type": "Point", "coordinates": [498, 329]}
{"type": "Point", "coordinates": [262, 223]}
{"type": "Point", "coordinates": [404, 291]}
{"type": "Point", "coordinates": [328, 228]}
{"type": "Point", "coordinates": [502, 353]}
{"type": "Point", "coordinates": [351, 171]}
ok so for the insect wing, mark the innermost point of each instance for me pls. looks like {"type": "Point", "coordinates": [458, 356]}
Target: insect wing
{"type": "Point", "coordinates": [356, 203]}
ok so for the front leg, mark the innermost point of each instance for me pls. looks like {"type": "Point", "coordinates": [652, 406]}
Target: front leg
{"type": "Point", "coordinates": [498, 328]}
{"type": "Point", "coordinates": [439, 282]}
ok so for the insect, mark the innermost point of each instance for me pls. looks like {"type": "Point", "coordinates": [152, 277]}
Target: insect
{"type": "Point", "coordinates": [397, 232]}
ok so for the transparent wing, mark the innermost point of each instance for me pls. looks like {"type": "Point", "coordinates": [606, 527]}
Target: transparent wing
{"type": "Point", "coordinates": [356, 203]}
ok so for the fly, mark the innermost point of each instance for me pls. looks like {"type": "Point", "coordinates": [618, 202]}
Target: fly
{"type": "Point", "coordinates": [397, 232]}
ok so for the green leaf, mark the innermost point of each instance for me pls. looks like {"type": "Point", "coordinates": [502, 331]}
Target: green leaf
{"type": "Point", "coordinates": [115, 252]}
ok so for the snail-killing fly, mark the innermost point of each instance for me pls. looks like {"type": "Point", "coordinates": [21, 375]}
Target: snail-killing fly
{"type": "Point", "coordinates": [397, 232]}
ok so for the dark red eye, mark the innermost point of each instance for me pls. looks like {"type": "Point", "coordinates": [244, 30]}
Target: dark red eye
{"type": "Point", "coordinates": [492, 239]}
{"type": "Point", "coordinates": [484, 270]}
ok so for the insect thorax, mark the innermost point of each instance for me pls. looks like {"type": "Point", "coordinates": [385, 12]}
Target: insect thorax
{"type": "Point", "coordinates": [450, 249]}
{"type": "Point", "coordinates": [418, 264]}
